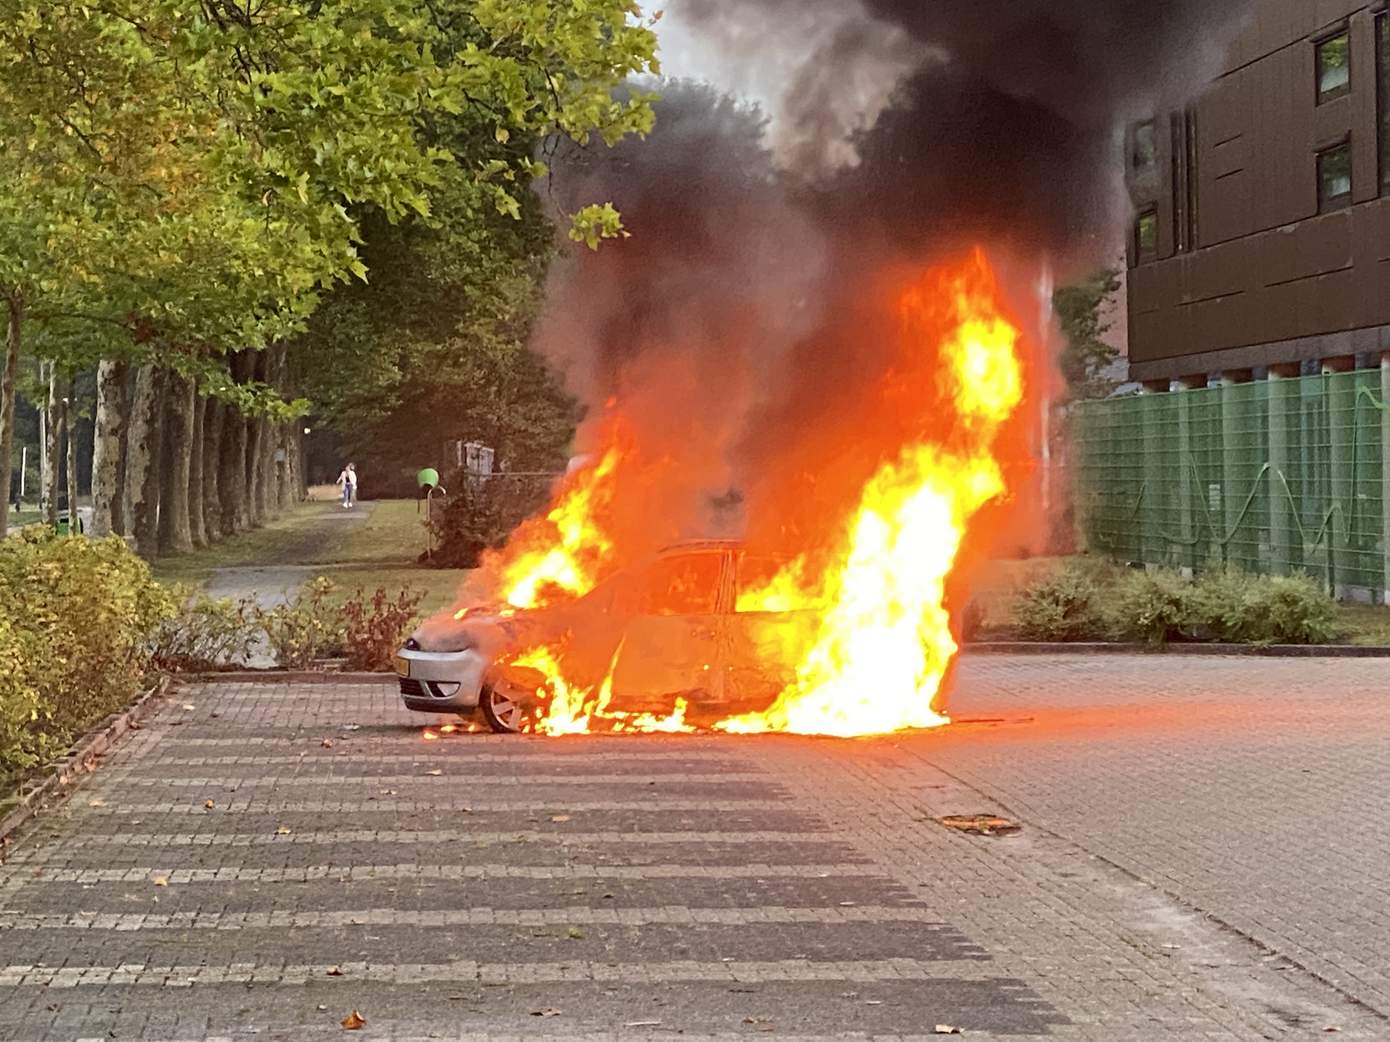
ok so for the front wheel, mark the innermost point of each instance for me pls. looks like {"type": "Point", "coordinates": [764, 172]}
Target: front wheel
{"type": "Point", "coordinates": [503, 714]}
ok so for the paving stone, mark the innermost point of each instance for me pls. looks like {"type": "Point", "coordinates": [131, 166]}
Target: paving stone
{"type": "Point", "coordinates": [725, 888]}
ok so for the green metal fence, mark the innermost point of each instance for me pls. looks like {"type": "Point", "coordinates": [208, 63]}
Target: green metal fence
{"type": "Point", "coordinates": [1273, 476]}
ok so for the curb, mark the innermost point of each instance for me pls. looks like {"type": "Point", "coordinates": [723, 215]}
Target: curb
{"type": "Point", "coordinates": [81, 759]}
{"type": "Point", "coordinates": [1004, 647]}
{"type": "Point", "coordinates": [279, 676]}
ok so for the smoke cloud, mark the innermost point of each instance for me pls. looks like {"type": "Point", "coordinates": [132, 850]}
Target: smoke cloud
{"type": "Point", "coordinates": [746, 324]}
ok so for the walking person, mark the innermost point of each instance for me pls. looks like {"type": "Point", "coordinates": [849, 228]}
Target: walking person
{"type": "Point", "coordinates": [347, 481]}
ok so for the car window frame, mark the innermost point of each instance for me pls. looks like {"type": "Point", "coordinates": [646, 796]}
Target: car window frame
{"type": "Point", "coordinates": [722, 580]}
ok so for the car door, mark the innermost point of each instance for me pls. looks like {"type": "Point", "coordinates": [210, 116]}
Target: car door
{"type": "Point", "coordinates": [761, 647]}
{"type": "Point", "coordinates": [670, 646]}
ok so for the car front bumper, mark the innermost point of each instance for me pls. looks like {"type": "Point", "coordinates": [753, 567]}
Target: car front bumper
{"type": "Point", "coordinates": [441, 681]}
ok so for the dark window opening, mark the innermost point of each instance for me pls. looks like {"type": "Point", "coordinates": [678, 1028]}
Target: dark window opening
{"type": "Point", "coordinates": [1334, 66]}
{"type": "Point", "coordinates": [1144, 147]}
{"type": "Point", "coordinates": [1334, 178]}
{"type": "Point", "coordinates": [1383, 96]}
{"type": "Point", "coordinates": [1146, 237]}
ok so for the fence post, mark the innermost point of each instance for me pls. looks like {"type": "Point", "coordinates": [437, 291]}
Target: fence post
{"type": "Point", "coordinates": [1384, 420]}
{"type": "Point", "coordinates": [1341, 404]}
{"type": "Point", "coordinates": [1280, 507]}
{"type": "Point", "coordinates": [1151, 515]}
{"type": "Point", "coordinates": [1187, 527]}
{"type": "Point", "coordinates": [1235, 414]}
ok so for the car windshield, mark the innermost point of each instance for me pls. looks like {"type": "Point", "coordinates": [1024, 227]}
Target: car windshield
{"type": "Point", "coordinates": [684, 585]}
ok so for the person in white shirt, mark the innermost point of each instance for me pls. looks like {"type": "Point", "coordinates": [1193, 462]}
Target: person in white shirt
{"type": "Point", "coordinates": [347, 481]}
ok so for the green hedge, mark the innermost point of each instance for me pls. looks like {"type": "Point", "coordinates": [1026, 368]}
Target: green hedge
{"type": "Point", "coordinates": [76, 621]}
{"type": "Point", "coordinates": [1089, 601]}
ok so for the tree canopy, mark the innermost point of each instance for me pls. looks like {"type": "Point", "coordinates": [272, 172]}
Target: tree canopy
{"type": "Point", "coordinates": [1079, 309]}
{"type": "Point", "coordinates": [183, 179]}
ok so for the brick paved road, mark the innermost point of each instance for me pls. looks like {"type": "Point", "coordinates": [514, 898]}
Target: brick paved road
{"type": "Point", "coordinates": [1204, 858]}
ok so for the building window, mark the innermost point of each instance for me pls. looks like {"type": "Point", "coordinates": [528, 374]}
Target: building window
{"type": "Point", "coordinates": [1146, 237]}
{"type": "Point", "coordinates": [1144, 150]}
{"type": "Point", "coordinates": [1334, 178]}
{"type": "Point", "coordinates": [1383, 96]}
{"type": "Point", "coordinates": [1334, 66]}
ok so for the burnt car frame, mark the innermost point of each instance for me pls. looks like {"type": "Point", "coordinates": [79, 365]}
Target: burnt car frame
{"type": "Point", "coordinates": [666, 628]}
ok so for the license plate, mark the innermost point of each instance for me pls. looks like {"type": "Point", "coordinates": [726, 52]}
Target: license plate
{"type": "Point", "coordinates": [402, 666]}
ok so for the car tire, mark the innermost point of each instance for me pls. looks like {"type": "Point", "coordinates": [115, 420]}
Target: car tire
{"type": "Point", "coordinates": [502, 714]}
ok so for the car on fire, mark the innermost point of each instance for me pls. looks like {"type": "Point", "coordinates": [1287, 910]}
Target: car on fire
{"type": "Point", "coordinates": [664, 629]}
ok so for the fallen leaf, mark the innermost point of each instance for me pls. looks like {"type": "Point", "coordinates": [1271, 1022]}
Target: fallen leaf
{"type": "Point", "coordinates": [980, 824]}
{"type": "Point", "coordinates": [354, 1021]}
{"type": "Point", "coordinates": [335, 971]}
{"type": "Point", "coordinates": [948, 1029]}
{"type": "Point", "coordinates": [547, 1012]}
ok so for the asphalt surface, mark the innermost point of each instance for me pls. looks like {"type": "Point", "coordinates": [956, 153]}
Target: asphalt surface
{"type": "Point", "coordinates": [1203, 855]}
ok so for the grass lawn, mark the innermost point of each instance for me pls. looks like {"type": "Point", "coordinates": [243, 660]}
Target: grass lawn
{"type": "Point", "coordinates": [376, 549]}
{"type": "Point", "coordinates": [1000, 581]}
{"type": "Point", "coordinates": [440, 585]}
{"type": "Point", "coordinates": [391, 532]}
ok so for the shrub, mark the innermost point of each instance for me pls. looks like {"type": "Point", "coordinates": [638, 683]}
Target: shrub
{"type": "Point", "coordinates": [481, 515]}
{"type": "Point", "coordinates": [77, 620]}
{"type": "Point", "coordinates": [1153, 607]}
{"type": "Point", "coordinates": [303, 629]}
{"type": "Point", "coordinates": [206, 633]}
{"type": "Point", "coordinates": [375, 629]}
{"type": "Point", "coordinates": [1249, 609]}
{"type": "Point", "coordinates": [1061, 606]}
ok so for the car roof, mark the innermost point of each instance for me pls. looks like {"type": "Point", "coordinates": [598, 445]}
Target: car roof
{"type": "Point", "coordinates": [693, 545]}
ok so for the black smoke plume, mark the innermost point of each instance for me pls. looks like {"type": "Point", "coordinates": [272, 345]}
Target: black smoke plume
{"type": "Point", "coordinates": [743, 324]}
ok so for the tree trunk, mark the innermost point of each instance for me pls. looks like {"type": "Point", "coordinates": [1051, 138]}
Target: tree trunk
{"type": "Point", "coordinates": [232, 466]}
{"type": "Point", "coordinates": [70, 425]}
{"type": "Point", "coordinates": [107, 445]}
{"type": "Point", "coordinates": [175, 531]}
{"type": "Point", "coordinates": [53, 447]}
{"type": "Point", "coordinates": [196, 525]}
{"type": "Point", "coordinates": [255, 432]}
{"type": "Point", "coordinates": [284, 494]}
{"type": "Point", "coordinates": [212, 462]}
{"type": "Point", "coordinates": [142, 460]}
{"type": "Point", "coordinates": [14, 328]}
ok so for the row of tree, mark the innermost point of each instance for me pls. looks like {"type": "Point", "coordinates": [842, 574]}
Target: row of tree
{"type": "Point", "coordinates": [194, 194]}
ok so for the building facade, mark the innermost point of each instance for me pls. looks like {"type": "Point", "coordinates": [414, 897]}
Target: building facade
{"type": "Point", "coordinates": [1261, 237]}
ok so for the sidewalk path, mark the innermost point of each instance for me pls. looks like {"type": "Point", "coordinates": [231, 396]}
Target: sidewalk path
{"type": "Point", "coordinates": [264, 858]}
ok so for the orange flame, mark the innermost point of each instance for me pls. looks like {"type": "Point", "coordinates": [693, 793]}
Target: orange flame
{"type": "Point", "coordinates": [871, 636]}
{"type": "Point", "coordinates": [877, 655]}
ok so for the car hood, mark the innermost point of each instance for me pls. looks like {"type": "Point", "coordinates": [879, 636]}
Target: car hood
{"type": "Point", "coordinates": [489, 635]}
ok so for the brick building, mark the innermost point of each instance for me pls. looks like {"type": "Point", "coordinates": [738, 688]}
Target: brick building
{"type": "Point", "coordinates": [1261, 236]}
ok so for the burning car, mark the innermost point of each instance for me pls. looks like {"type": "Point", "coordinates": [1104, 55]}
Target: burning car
{"type": "Point", "coordinates": [664, 635]}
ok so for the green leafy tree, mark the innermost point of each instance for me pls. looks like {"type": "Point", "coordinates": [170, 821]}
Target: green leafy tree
{"type": "Point", "coordinates": [1080, 312]}
{"type": "Point", "coordinates": [186, 178]}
